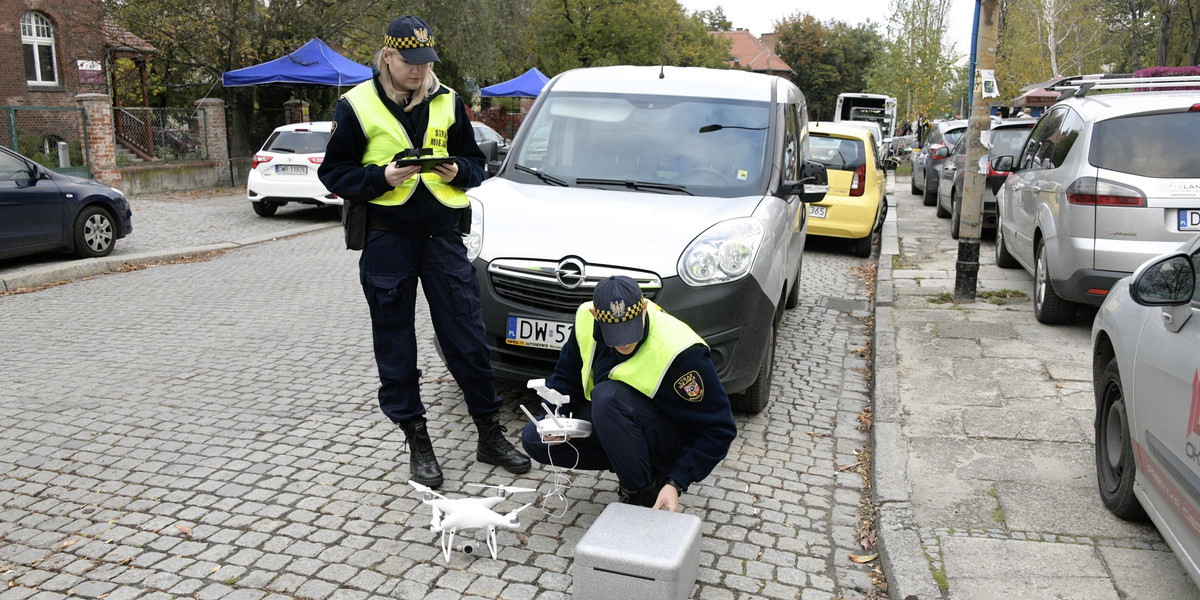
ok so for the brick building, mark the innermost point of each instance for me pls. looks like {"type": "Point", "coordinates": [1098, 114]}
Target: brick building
{"type": "Point", "coordinates": [61, 47]}
{"type": "Point", "coordinates": [754, 54]}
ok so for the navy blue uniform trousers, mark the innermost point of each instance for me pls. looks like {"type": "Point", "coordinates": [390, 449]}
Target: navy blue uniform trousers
{"type": "Point", "coordinates": [389, 268]}
{"type": "Point", "coordinates": [629, 437]}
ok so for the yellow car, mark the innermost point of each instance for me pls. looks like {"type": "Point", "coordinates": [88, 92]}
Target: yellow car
{"type": "Point", "coordinates": [856, 203]}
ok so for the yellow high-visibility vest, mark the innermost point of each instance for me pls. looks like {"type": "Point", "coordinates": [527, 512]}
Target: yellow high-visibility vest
{"type": "Point", "coordinates": [644, 370]}
{"type": "Point", "coordinates": [386, 136]}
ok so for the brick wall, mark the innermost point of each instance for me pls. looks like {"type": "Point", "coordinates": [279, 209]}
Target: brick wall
{"type": "Point", "coordinates": [77, 36]}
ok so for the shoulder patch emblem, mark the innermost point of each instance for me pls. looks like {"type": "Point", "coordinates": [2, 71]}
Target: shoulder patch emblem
{"type": "Point", "coordinates": [690, 387]}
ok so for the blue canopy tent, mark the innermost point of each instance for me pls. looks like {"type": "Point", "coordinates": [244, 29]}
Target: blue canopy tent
{"type": "Point", "coordinates": [314, 63]}
{"type": "Point", "coordinates": [528, 85]}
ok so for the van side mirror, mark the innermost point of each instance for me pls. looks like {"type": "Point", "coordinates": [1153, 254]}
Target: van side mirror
{"type": "Point", "coordinates": [813, 183]}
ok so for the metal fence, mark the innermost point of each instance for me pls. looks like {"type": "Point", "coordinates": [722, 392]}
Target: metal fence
{"type": "Point", "coordinates": [53, 136]}
{"type": "Point", "coordinates": [158, 135]}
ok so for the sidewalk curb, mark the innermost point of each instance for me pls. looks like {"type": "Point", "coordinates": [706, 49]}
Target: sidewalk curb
{"type": "Point", "coordinates": [89, 267]}
{"type": "Point", "coordinates": [904, 563]}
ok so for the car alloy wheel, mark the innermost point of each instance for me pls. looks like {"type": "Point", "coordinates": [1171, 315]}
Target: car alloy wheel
{"type": "Point", "coordinates": [1048, 307]}
{"type": "Point", "coordinates": [94, 233]}
{"type": "Point", "coordinates": [1004, 259]}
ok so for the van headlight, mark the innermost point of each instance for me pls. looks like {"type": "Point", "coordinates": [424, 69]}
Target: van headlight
{"type": "Point", "coordinates": [722, 254]}
{"type": "Point", "coordinates": [474, 239]}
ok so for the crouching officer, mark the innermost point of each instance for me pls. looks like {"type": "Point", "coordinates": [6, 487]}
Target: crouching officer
{"type": "Point", "coordinates": [660, 418]}
{"type": "Point", "coordinates": [413, 232]}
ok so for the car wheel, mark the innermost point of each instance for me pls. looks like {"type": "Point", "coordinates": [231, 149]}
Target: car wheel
{"type": "Point", "coordinates": [941, 212]}
{"type": "Point", "coordinates": [930, 194]}
{"type": "Point", "coordinates": [1115, 466]}
{"type": "Point", "coordinates": [1004, 259]}
{"type": "Point", "coordinates": [862, 246]}
{"type": "Point", "coordinates": [955, 215]}
{"type": "Point", "coordinates": [94, 233]}
{"type": "Point", "coordinates": [264, 209]}
{"type": "Point", "coordinates": [912, 185]}
{"type": "Point", "coordinates": [1048, 307]}
{"type": "Point", "coordinates": [755, 398]}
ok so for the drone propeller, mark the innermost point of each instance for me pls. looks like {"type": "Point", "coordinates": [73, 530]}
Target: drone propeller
{"type": "Point", "coordinates": [513, 513]}
{"type": "Point", "coordinates": [503, 489]}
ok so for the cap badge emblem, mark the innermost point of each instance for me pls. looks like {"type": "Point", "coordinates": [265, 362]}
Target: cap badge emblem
{"type": "Point", "coordinates": [618, 308]}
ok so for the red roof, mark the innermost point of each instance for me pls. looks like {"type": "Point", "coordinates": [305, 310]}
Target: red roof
{"type": "Point", "coordinates": [119, 39]}
{"type": "Point", "coordinates": [751, 53]}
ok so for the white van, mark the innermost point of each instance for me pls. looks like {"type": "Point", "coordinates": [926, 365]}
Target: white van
{"type": "Point", "coordinates": [691, 181]}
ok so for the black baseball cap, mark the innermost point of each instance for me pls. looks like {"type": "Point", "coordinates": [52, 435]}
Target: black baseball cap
{"type": "Point", "coordinates": [619, 306]}
{"type": "Point", "coordinates": [413, 38]}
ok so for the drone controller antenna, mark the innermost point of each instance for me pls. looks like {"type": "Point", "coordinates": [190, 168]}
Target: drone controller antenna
{"type": "Point", "coordinates": [547, 394]}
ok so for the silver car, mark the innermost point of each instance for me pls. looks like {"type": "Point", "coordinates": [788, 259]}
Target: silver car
{"type": "Point", "coordinates": [1103, 183]}
{"type": "Point", "coordinates": [933, 151]}
{"type": "Point", "coordinates": [1146, 372]}
{"type": "Point", "coordinates": [688, 180]}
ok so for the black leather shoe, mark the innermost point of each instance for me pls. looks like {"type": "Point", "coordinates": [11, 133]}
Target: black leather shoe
{"type": "Point", "coordinates": [495, 449]}
{"type": "Point", "coordinates": [422, 463]}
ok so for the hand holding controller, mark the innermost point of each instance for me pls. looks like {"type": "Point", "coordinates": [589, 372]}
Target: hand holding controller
{"type": "Point", "coordinates": [555, 428]}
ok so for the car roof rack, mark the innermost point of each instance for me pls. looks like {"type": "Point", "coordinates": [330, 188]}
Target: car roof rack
{"type": "Point", "coordinates": [1080, 85]}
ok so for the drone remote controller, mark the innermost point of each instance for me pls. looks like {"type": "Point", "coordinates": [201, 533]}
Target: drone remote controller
{"type": "Point", "coordinates": [555, 425]}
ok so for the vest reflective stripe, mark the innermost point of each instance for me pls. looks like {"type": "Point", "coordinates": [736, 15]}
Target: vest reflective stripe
{"type": "Point", "coordinates": [386, 136]}
{"type": "Point", "coordinates": [645, 369]}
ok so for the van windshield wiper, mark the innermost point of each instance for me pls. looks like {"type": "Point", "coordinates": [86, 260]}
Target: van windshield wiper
{"type": "Point", "coordinates": [635, 185]}
{"type": "Point", "coordinates": [546, 177]}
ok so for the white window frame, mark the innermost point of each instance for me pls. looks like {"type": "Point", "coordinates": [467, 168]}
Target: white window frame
{"type": "Point", "coordinates": [38, 32]}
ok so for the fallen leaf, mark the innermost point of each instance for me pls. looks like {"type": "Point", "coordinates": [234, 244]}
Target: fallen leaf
{"type": "Point", "coordinates": [185, 529]}
{"type": "Point", "coordinates": [215, 569]}
{"type": "Point", "coordinates": [521, 538]}
{"type": "Point", "coordinates": [67, 543]}
{"type": "Point", "coordinates": [864, 558]}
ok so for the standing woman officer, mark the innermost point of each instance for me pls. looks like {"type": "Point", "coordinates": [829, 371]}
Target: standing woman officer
{"type": "Point", "coordinates": [414, 227]}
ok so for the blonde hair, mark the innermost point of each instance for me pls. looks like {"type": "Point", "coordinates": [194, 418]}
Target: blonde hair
{"type": "Point", "coordinates": [389, 87]}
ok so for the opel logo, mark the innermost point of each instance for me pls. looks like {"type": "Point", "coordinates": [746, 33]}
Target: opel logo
{"type": "Point", "coordinates": [570, 273]}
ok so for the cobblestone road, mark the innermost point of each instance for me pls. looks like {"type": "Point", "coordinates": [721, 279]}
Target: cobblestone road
{"type": "Point", "coordinates": [209, 430]}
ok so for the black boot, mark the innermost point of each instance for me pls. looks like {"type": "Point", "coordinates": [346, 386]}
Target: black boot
{"type": "Point", "coordinates": [494, 449]}
{"type": "Point", "coordinates": [422, 463]}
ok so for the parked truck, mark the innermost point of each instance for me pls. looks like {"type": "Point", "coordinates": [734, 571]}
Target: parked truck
{"type": "Point", "coordinates": [876, 108]}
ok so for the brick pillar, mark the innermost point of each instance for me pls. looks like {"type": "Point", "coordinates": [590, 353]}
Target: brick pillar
{"type": "Point", "coordinates": [101, 140]}
{"type": "Point", "coordinates": [216, 146]}
{"type": "Point", "coordinates": [295, 111]}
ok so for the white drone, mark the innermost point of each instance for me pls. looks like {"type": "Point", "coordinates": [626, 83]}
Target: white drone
{"type": "Point", "coordinates": [470, 513]}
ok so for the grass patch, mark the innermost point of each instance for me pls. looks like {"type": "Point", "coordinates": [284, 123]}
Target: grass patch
{"type": "Point", "coordinates": [998, 513]}
{"type": "Point", "coordinates": [1001, 297]}
{"type": "Point", "coordinates": [942, 298]}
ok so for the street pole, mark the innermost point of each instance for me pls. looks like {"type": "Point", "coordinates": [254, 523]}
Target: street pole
{"type": "Point", "coordinates": [966, 277]}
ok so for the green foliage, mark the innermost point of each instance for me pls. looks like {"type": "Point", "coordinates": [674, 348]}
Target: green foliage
{"type": "Point", "coordinates": [916, 66]}
{"type": "Point", "coordinates": [593, 33]}
{"type": "Point", "coordinates": [715, 20]}
{"type": "Point", "coordinates": [828, 58]}
{"type": "Point", "coordinates": [33, 146]}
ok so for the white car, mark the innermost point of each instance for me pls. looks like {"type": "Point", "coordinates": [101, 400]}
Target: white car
{"type": "Point", "coordinates": [690, 181]}
{"type": "Point", "coordinates": [285, 170]}
{"type": "Point", "coordinates": [1146, 373]}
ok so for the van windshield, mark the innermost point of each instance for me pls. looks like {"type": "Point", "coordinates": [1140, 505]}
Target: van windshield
{"type": "Point", "coordinates": [705, 146]}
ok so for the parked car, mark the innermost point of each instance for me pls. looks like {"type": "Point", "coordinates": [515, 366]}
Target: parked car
{"type": "Point", "coordinates": [688, 180]}
{"type": "Point", "coordinates": [925, 162]}
{"type": "Point", "coordinates": [856, 203]}
{"type": "Point", "coordinates": [489, 138]}
{"type": "Point", "coordinates": [1007, 137]}
{"type": "Point", "coordinates": [284, 171]}
{"type": "Point", "coordinates": [1102, 184]}
{"type": "Point", "coordinates": [1147, 387]}
{"type": "Point", "coordinates": [45, 211]}
{"type": "Point", "coordinates": [876, 133]}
